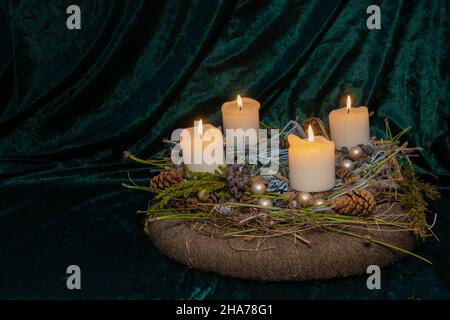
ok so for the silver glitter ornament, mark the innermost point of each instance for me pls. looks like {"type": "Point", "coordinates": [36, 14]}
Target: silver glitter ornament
{"type": "Point", "coordinates": [265, 202]}
{"type": "Point", "coordinates": [223, 209]}
{"type": "Point", "coordinates": [305, 199]}
{"type": "Point", "coordinates": [348, 164]}
{"type": "Point", "coordinates": [355, 152]}
{"type": "Point", "coordinates": [258, 188]}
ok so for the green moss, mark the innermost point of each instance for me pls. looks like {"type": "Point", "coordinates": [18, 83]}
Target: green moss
{"type": "Point", "coordinates": [211, 182]}
{"type": "Point", "coordinates": [412, 194]}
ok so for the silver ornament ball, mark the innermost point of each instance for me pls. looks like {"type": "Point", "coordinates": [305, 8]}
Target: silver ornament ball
{"type": "Point", "coordinates": [348, 164]}
{"type": "Point", "coordinates": [319, 202]}
{"type": "Point", "coordinates": [265, 202]}
{"type": "Point", "coordinates": [355, 152]}
{"type": "Point", "coordinates": [258, 188]}
{"type": "Point", "coordinates": [305, 199]}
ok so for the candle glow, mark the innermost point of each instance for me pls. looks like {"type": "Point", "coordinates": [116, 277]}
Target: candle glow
{"type": "Point", "coordinates": [200, 128]}
{"type": "Point", "coordinates": [241, 113]}
{"type": "Point", "coordinates": [202, 147]}
{"type": "Point", "coordinates": [311, 163]}
{"type": "Point", "coordinates": [310, 134]}
{"type": "Point", "coordinates": [239, 102]}
{"type": "Point", "coordinates": [349, 126]}
{"type": "Point", "coordinates": [349, 104]}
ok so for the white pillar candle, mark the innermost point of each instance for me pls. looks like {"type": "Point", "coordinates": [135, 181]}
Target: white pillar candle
{"type": "Point", "coordinates": [311, 163]}
{"type": "Point", "coordinates": [242, 113]}
{"type": "Point", "coordinates": [349, 126]}
{"type": "Point", "coordinates": [202, 147]}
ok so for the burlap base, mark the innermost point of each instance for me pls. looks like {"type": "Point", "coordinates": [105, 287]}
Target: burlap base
{"type": "Point", "coordinates": [278, 259]}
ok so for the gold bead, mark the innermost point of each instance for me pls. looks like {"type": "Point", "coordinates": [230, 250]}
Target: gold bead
{"type": "Point", "coordinates": [348, 164]}
{"type": "Point", "coordinates": [265, 202]}
{"type": "Point", "coordinates": [319, 202]}
{"type": "Point", "coordinates": [258, 188]}
{"type": "Point", "coordinates": [355, 152]}
{"type": "Point", "coordinates": [305, 199]}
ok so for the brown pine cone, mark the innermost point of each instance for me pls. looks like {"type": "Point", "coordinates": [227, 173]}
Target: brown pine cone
{"type": "Point", "coordinates": [346, 175]}
{"type": "Point", "coordinates": [358, 202]}
{"type": "Point", "coordinates": [238, 179]}
{"type": "Point", "coordinates": [166, 179]}
{"type": "Point", "coordinates": [375, 192]}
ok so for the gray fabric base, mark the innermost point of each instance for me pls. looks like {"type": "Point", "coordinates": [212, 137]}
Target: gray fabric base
{"type": "Point", "coordinates": [277, 259]}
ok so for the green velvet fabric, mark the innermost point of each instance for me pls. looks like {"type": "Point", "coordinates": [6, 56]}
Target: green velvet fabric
{"type": "Point", "coordinates": [72, 101]}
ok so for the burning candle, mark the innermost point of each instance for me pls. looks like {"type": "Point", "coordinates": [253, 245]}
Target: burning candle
{"type": "Point", "coordinates": [242, 113]}
{"type": "Point", "coordinates": [202, 147]}
{"type": "Point", "coordinates": [349, 126]}
{"type": "Point", "coordinates": [311, 163]}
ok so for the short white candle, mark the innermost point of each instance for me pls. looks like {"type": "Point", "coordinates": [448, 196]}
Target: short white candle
{"type": "Point", "coordinates": [202, 147]}
{"type": "Point", "coordinates": [349, 126]}
{"type": "Point", "coordinates": [242, 113]}
{"type": "Point", "coordinates": [311, 163]}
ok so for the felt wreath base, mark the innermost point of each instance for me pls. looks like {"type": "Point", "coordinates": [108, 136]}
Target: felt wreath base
{"type": "Point", "coordinates": [329, 255]}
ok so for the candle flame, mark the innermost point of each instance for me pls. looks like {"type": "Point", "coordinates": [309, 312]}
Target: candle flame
{"type": "Point", "coordinates": [310, 134]}
{"type": "Point", "coordinates": [200, 128]}
{"type": "Point", "coordinates": [239, 102]}
{"type": "Point", "coordinates": [349, 104]}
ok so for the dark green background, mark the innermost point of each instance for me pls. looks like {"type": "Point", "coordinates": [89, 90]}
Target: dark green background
{"type": "Point", "coordinates": [72, 101]}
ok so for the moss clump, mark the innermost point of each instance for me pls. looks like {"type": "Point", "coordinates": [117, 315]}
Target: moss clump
{"type": "Point", "coordinates": [412, 194]}
{"type": "Point", "coordinates": [211, 182]}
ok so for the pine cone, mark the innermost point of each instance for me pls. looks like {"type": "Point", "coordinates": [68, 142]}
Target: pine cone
{"type": "Point", "coordinates": [359, 202]}
{"type": "Point", "coordinates": [166, 179]}
{"type": "Point", "coordinates": [346, 175]}
{"type": "Point", "coordinates": [238, 179]}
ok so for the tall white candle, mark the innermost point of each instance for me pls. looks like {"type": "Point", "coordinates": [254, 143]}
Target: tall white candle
{"type": "Point", "coordinates": [242, 113]}
{"type": "Point", "coordinates": [349, 126]}
{"type": "Point", "coordinates": [202, 147]}
{"type": "Point", "coordinates": [311, 163]}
